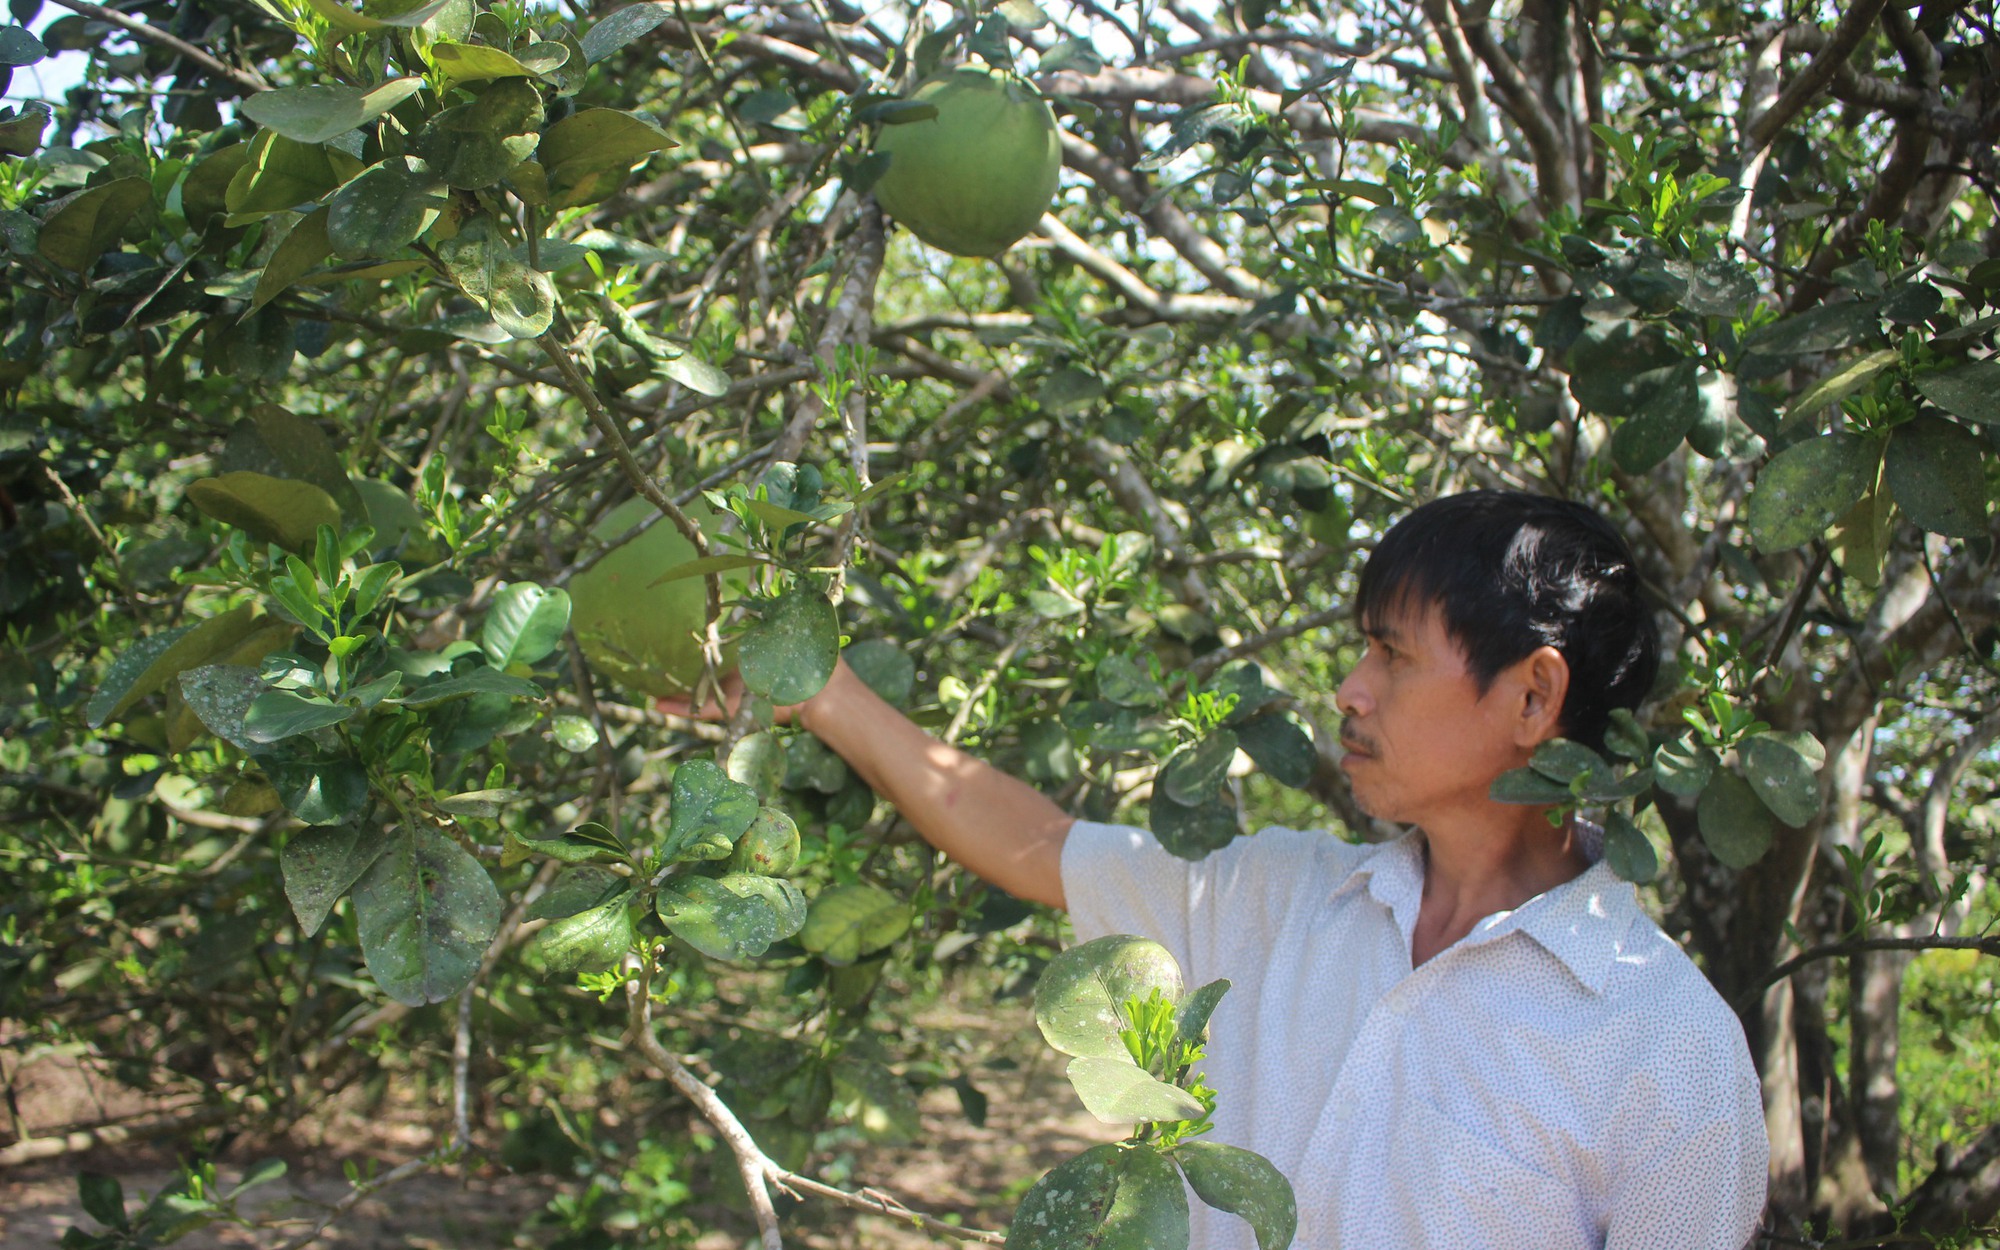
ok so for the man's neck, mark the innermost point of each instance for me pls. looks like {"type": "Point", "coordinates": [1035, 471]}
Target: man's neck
{"type": "Point", "coordinates": [1470, 874]}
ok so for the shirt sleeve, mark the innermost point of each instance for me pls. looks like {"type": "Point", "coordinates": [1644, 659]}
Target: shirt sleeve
{"type": "Point", "coordinates": [1695, 1172]}
{"type": "Point", "coordinates": [1117, 879]}
{"type": "Point", "coordinates": [1208, 913]}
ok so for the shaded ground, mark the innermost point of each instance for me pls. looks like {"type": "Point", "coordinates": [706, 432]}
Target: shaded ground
{"type": "Point", "coordinates": [972, 1175]}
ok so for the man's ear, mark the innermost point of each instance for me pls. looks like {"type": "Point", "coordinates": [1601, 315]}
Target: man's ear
{"type": "Point", "coordinates": [1542, 678]}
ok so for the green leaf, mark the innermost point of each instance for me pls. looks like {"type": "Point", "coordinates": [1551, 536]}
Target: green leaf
{"type": "Point", "coordinates": [709, 813]}
{"type": "Point", "coordinates": [588, 843]}
{"type": "Point", "coordinates": [705, 565]}
{"type": "Point", "coordinates": [1561, 760]}
{"type": "Point", "coordinates": [1245, 682]}
{"type": "Point", "coordinates": [1128, 683]}
{"type": "Point", "coordinates": [1782, 778]}
{"type": "Point", "coordinates": [1197, 771]}
{"type": "Point", "coordinates": [1525, 785]}
{"type": "Point", "coordinates": [575, 890]}
{"type": "Point", "coordinates": [476, 145]}
{"type": "Point", "coordinates": [1191, 832]}
{"type": "Point", "coordinates": [1651, 434]}
{"type": "Point", "coordinates": [1191, 1020]}
{"type": "Point", "coordinates": [320, 865]}
{"type": "Point", "coordinates": [696, 374]}
{"type": "Point", "coordinates": [1627, 850]}
{"type": "Point", "coordinates": [1682, 767]}
{"type": "Point", "coordinates": [101, 1196]}
{"type": "Point", "coordinates": [151, 663]}
{"type": "Point", "coordinates": [75, 235]}
{"type": "Point", "coordinates": [521, 301]}
{"type": "Point", "coordinates": [1936, 471]}
{"type": "Point", "coordinates": [1079, 55]}
{"type": "Point", "coordinates": [589, 941]}
{"type": "Point", "coordinates": [383, 210]}
{"type": "Point", "coordinates": [461, 63]}
{"type": "Point", "coordinates": [426, 912]}
{"type": "Point", "coordinates": [21, 133]}
{"type": "Point", "coordinates": [847, 922]}
{"type": "Point", "coordinates": [1625, 737]}
{"type": "Point", "coordinates": [220, 695]}
{"type": "Point", "coordinates": [319, 789]}
{"type": "Point", "coordinates": [301, 252]}
{"type": "Point", "coordinates": [20, 47]}
{"type": "Point", "coordinates": [737, 916]}
{"type": "Point", "coordinates": [587, 154]}
{"type": "Point", "coordinates": [1119, 1091]}
{"type": "Point", "coordinates": [485, 804]}
{"type": "Point", "coordinates": [1839, 384]}
{"type": "Point", "coordinates": [884, 668]}
{"type": "Point", "coordinates": [1807, 487]}
{"type": "Point", "coordinates": [524, 625]}
{"type": "Point", "coordinates": [1735, 823]}
{"type": "Point", "coordinates": [622, 27]}
{"type": "Point", "coordinates": [1242, 1182]}
{"type": "Point", "coordinates": [1278, 745]}
{"type": "Point", "coordinates": [1827, 328]}
{"type": "Point", "coordinates": [278, 175]}
{"type": "Point", "coordinates": [478, 681]}
{"type": "Point", "coordinates": [317, 113]}
{"type": "Point", "coordinates": [788, 656]}
{"type": "Point", "coordinates": [349, 22]}
{"type": "Point", "coordinates": [1599, 785]}
{"type": "Point", "coordinates": [1969, 391]}
{"type": "Point", "coordinates": [269, 509]}
{"type": "Point", "coordinates": [1080, 999]}
{"type": "Point", "coordinates": [1110, 1197]}
{"type": "Point", "coordinates": [279, 714]}
{"type": "Point", "coordinates": [1717, 288]}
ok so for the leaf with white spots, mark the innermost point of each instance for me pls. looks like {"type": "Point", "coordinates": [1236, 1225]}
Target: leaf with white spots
{"type": "Point", "coordinates": [1080, 999]}
{"type": "Point", "coordinates": [1243, 1182]}
{"type": "Point", "coordinates": [1110, 1197]}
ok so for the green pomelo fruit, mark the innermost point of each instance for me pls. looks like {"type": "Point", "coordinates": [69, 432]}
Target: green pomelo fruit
{"type": "Point", "coordinates": [982, 172]}
{"type": "Point", "coordinates": [641, 636]}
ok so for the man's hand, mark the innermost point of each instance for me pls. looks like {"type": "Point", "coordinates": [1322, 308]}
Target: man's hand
{"type": "Point", "coordinates": [1000, 828]}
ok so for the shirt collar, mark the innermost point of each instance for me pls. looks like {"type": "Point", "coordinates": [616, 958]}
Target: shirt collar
{"type": "Point", "coordinates": [1582, 922]}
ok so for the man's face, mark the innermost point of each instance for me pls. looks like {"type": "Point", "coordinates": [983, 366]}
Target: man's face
{"type": "Point", "coordinates": [1422, 744]}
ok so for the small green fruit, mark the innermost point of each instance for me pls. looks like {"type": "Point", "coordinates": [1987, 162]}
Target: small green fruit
{"type": "Point", "coordinates": [641, 636]}
{"type": "Point", "coordinates": [980, 174]}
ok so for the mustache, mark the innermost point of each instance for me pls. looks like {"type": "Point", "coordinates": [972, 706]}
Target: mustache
{"type": "Point", "coordinates": [1356, 741]}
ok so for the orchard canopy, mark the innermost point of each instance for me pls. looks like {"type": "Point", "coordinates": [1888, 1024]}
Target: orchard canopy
{"type": "Point", "coordinates": [331, 335]}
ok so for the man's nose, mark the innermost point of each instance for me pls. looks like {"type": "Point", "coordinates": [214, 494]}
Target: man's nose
{"type": "Point", "coordinates": [1352, 698]}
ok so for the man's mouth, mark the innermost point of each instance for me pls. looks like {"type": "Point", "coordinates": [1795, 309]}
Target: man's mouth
{"type": "Point", "coordinates": [1355, 745]}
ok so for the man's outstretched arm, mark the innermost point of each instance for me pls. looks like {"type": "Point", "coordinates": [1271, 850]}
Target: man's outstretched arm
{"type": "Point", "coordinates": [997, 826]}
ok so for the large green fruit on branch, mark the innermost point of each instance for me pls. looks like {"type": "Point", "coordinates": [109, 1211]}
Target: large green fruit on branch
{"type": "Point", "coordinates": [982, 172]}
{"type": "Point", "coordinates": [641, 636]}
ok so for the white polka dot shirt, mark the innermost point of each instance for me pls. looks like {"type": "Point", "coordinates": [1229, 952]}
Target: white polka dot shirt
{"type": "Point", "coordinates": [1562, 1078]}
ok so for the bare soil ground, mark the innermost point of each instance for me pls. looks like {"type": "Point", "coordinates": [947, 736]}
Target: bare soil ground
{"type": "Point", "coordinates": [953, 1170]}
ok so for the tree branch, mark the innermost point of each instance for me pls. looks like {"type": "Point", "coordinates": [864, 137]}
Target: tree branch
{"type": "Point", "coordinates": [1989, 945]}
{"type": "Point", "coordinates": [1847, 36]}
{"type": "Point", "coordinates": [756, 1168]}
{"type": "Point", "coordinates": [249, 80]}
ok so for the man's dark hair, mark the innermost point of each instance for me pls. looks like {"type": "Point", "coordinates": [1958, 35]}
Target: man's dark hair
{"type": "Point", "coordinates": [1511, 572]}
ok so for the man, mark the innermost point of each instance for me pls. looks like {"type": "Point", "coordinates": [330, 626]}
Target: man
{"type": "Point", "coordinates": [1470, 1036]}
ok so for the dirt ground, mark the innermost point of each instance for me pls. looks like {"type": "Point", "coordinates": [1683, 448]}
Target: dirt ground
{"type": "Point", "coordinates": [953, 1170]}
